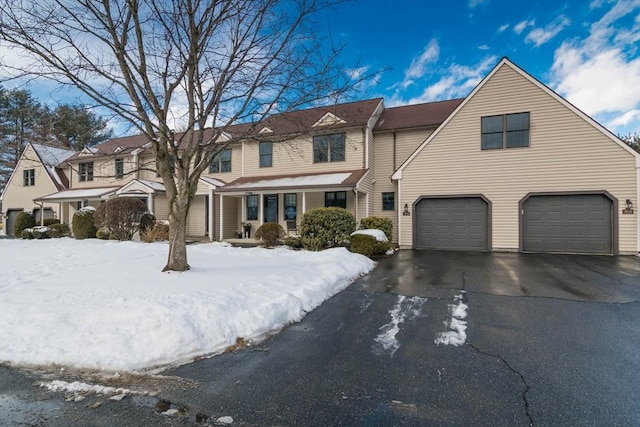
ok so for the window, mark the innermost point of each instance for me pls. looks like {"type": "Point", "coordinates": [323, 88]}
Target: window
{"type": "Point", "coordinates": [119, 168]}
{"type": "Point", "coordinates": [85, 171]}
{"type": "Point", "coordinates": [266, 154]}
{"type": "Point", "coordinates": [505, 131]}
{"type": "Point", "coordinates": [388, 201]}
{"type": "Point", "coordinates": [335, 199]}
{"type": "Point", "coordinates": [290, 206]}
{"type": "Point", "coordinates": [221, 162]}
{"type": "Point", "coordinates": [328, 148]}
{"type": "Point", "coordinates": [252, 207]}
{"type": "Point", "coordinates": [29, 177]}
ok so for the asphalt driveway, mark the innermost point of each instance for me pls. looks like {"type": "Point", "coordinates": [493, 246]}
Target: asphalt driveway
{"type": "Point", "coordinates": [550, 340]}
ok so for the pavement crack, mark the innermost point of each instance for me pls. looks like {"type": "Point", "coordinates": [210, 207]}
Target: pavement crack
{"type": "Point", "coordinates": [515, 371]}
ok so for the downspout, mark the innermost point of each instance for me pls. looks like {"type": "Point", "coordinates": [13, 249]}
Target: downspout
{"type": "Point", "coordinates": [400, 209]}
{"type": "Point", "coordinates": [366, 147]}
{"type": "Point", "coordinates": [394, 149]}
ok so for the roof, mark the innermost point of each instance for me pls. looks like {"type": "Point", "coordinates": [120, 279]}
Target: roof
{"type": "Point", "coordinates": [51, 157]}
{"type": "Point", "coordinates": [417, 115]}
{"type": "Point", "coordinates": [212, 181]}
{"type": "Point", "coordinates": [116, 145]}
{"type": "Point", "coordinates": [346, 179]}
{"type": "Point", "coordinates": [78, 194]}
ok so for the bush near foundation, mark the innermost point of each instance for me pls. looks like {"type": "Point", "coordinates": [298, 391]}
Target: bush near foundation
{"type": "Point", "coordinates": [158, 232]}
{"type": "Point", "coordinates": [121, 217]}
{"type": "Point", "coordinates": [270, 233]}
{"type": "Point", "coordinates": [23, 220]}
{"type": "Point", "coordinates": [378, 223]}
{"type": "Point", "coordinates": [50, 221]}
{"type": "Point", "coordinates": [365, 244]}
{"type": "Point", "coordinates": [83, 223]}
{"type": "Point", "coordinates": [58, 230]}
{"type": "Point", "coordinates": [324, 228]}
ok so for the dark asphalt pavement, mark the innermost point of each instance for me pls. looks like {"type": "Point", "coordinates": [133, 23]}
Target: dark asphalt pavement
{"type": "Point", "coordinates": [551, 340]}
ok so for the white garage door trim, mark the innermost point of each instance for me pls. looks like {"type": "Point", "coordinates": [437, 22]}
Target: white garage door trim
{"type": "Point", "coordinates": [604, 193]}
{"type": "Point", "coordinates": [480, 197]}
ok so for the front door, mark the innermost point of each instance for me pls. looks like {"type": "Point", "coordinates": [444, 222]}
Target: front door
{"type": "Point", "coordinates": [271, 208]}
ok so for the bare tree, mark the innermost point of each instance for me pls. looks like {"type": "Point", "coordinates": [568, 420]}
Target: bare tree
{"type": "Point", "coordinates": [196, 64]}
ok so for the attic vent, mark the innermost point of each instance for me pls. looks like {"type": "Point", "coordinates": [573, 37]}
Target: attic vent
{"type": "Point", "coordinates": [329, 119]}
{"type": "Point", "coordinates": [266, 129]}
{"type": "Point", "coordinates": [118, 149]}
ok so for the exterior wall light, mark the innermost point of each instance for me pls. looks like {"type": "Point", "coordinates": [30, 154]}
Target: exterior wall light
{"type": "Point", "coordinates": [629, 208]}
{"type": "Point", "coordinates": [406, 210]}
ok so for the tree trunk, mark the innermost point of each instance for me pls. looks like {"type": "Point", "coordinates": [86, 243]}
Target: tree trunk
{"type": "Point", "coordinates": [177, 260]}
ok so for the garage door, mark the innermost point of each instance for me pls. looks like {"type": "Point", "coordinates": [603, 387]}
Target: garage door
{"type": "Point", "coordinates": [452, 224]}
{"type": "Point", "coordinates": [567, 224]}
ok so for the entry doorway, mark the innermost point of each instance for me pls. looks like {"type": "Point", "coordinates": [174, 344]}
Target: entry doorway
{"type": "Point", "coordinates": [270, 208]}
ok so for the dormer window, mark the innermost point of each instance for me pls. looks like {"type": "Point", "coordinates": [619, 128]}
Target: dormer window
{"type": "Point", "coordinates": [505, 131]}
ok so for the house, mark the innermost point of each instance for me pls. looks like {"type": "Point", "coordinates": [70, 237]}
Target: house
{"type": "Point", "coordinates": [511, 167]}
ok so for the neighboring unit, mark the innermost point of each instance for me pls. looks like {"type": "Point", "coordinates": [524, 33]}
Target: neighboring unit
{"type": "Point", "coordinates": [511, 167]}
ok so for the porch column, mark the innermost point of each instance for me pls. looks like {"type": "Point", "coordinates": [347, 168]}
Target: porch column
{"type": "Point", "coordinates": [211, 215]}
{"type": "Point", "coordinates": [150, 203]}
{"type": "Point", "coordinates": [261, 209]}
{"type": "Point", "coordinates": [356, 203]}
{"type": "Point", "coordinates": [221, 217]}
{"type": "Point", "coordinates": [243, 214]}
{"type": "Point", "coordinates": [61, 212]}
{"type": "Point", "coordinates": [366, 207]}
{"type": "Point", "coordinates": [304, 202]}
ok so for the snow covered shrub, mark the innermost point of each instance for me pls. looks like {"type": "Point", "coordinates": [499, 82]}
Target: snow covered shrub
{"type": "Point", "coordinates": [50, 221]}
{"type": "Point", "coordinates": [121, 217]}
{"type": "Point", "coordinates": [323, 228]}
{"type": "Point", "coordinates": [158, 232]}
{"type": "Point", "coordinates": [378, 223]}
{"type": "Point", "coordinates": [270, 233]}
{"type": "Point", "coordinates": [23, 220]}
{"type": "Point", "coordinates": [40, 232]}
{"type": "Point", "coordinates": [368, 245]}
{"type": "Point", "coordinates": [83, 223]}
{"type": "Point", "coordinates": [58, 230]}
{"type": "Point", "coordinates": [27, 233]}
{"type": "Point", "coordinates": [294, 242]}
{"type": "Point", "coordinates": [147, 222]}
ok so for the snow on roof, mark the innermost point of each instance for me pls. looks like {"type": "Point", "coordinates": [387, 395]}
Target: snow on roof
{"type": "Point", "coordinates": [81, 193]}
{"type": "Point", "coordinates": [158, 186]}
{"type": "Point", "coordinates": [327, 179]}
{"type": "Point", "coordinates": [212, 181]}
{"type": "Point", "coordinates": [52, 156]}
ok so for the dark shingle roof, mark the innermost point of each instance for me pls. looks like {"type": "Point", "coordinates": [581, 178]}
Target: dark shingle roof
{"type": "Point", "coordinates": [418, 115]}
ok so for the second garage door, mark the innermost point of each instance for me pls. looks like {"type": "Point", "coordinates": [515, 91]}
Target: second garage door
{"type": "Point", "coordinates": [579, 223]}
{"type": "Point", "coordinates": [452, 224]}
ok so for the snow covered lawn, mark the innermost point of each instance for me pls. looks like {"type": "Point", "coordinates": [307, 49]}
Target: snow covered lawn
{"type": "Point", "coordinates": [106, 305]}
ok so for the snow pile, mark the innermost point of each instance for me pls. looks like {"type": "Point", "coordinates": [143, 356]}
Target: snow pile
{"type": "Point", "coordinates": [403, 307]}
{"type": "Point", "coordinates": [78, 387]}
{"type": "Point", "coordinates": [378, 234]}
{"type": "Point", "coordinates": [456, 335]}
{"type": "Point", "coordinates": [106, 305]}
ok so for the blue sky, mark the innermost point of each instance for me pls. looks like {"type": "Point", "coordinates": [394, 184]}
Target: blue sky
{"type": "Point", "coordinates": [587, 51]}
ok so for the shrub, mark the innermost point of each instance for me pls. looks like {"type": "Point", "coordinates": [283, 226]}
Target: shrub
{"type": "Point", "coordinates": [50, 221]}
{"type": "Point", "coordinates": [294, 242]}
{"type": "Point", "coordinates": [270, 233]}
{"type": "Point", "coordinates": [27, 233]}
{"type": "Point", "coordinates": [83, 223]}
{"type": "Point", "coordinates": [323, 228]}
{"type": "Point", "coordinates": [368, 245]}
{"type": "Point", "coordinates": [103, 234]}
{"type": "Point", "coordinates": [58, 230]}
{"type": "Point", "coordinates": [157, 233]}
{"type": "Point", "coordinates": [378, 223]}
{"type": "Point", "coordinates": [147, 222]}
{"type": "Point", "coordinates": [121, 217]}
{"type": "Point", "coordinates": [40, 232]}
{"type": "Point", "coordinates": [23, 220]}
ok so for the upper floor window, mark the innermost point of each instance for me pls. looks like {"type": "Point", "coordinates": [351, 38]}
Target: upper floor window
{"type": "Point", "coordinates": [221, 162]}
{"type": "Point", "coordinates": [505, 131]}
{"type": "Point", "coordinates": [266, 154]}
{"type": "Point", "coordinates": [388, 201]}
{"type": "Point", "coordinates": [85, 171]}
{"type": "Point", "coordinates": [335, 199]}
{"type": "Point", "coordinates": [329, 148]}
{"type": "Point", "coordinates": [29, 177]}
{"type": "Point", "coordinates": [119, 168]}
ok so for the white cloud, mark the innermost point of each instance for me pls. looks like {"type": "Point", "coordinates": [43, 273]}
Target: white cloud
{"type": "Point", "coordinates": [522, 25]}
{"type": "Point", "coordinates": [476, 3]}
{"type": "Point", "coordinates": [600, 74]}
{"type": "Point", "coordinates": [503, 28]}
{"type": "Point", "coordinates": [484, 47]}
{"type": "Point", "coordinates": [539, 36]}
{"type": "Point", "coordinates": [419, 64]}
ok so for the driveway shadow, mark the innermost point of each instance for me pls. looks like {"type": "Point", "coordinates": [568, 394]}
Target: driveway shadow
{"type": "Point", "coordinates": [574, 277]}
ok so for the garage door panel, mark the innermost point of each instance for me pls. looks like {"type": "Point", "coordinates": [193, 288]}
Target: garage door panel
{"type": "Point", "coordinates": [454, 224]}
{"type": "Point", "coordinates": [568, 223]}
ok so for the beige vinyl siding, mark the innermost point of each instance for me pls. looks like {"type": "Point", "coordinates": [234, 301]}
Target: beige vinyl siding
{"type": "Point", "coordinates": [148, 168]}
{"type": "Point", "coordinates": [161, 207]}
{"type": "Point", "coordinates": [566, 154]}
{"type": "Point", "coordinates": [197, 217]}
{"type": "Point", "coordinates": [296, 156]}
{"type": "Point", "coordinates": [104, 170]}
{"type": "Point", "coordinates": [18, 196]}
{"type": "Point", "coordinates": [406, 143]}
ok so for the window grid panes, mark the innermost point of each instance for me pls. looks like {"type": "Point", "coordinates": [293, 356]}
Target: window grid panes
{"type": "Point", "coordinates": [290, 206]}
{"type": "Point", "coordinates": [505, 131]}
{"type": "Point", "coordinates": [335, 199]}
{"type": "Point", "coordinates": [85, 171]}
{"type": "Point", "coordinates": [119, 168]}
{"type": "Point", "coordinates": [388, 201]}
{"type": "Point", "coordinates": [266, 154]}
{"type": "Point", "coordinates": [221, 162]}
{"type": "Point", "coordinates": [329, 148]}
{"type": "Point", "coordinates": [29, 177]}
{"type": "Point", "coordinates": [252, 207]}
